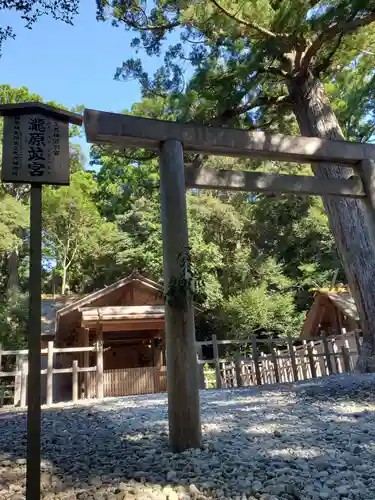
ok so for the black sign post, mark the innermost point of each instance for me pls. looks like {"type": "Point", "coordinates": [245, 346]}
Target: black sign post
{"type": "Point", "coordinates": [35, 151]}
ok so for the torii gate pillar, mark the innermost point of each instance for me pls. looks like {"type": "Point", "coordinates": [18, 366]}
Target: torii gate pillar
{"type": "Point", "coordinates": [182, 374]}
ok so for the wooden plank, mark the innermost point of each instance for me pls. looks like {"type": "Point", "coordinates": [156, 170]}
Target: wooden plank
{"type": "Point", "coordinates": [327, 354]}
{"type": "Point", "coordinates": [263, 182]}
{"type": "Point", "coordinates": [275, 365]}
{"type": "Point", "coordinates": [217, 362]}
{"type": "Point", "coordinates": [121, 313]}
{"type": "Point", "coordinates": [292, 352]}
{"type": "Point", "coordinates": [255, 356]}
{"type": "Point", "coordinates": [367, 173]}
{"type": "Point", "coordinates": [74, 349]}
{"type": "Point", "coordinates": [86, 362]}
{"type": "Point", "coordinates": [99, 364]}
{"type": "Point", "coordinates": [345, 359]}
{"type": "Point", "coordinates": [75, 381]}
{"type": "Point", "coordinates": [238, 370]}
{"type": "Point", "coordinates": [310, 354]}
{"type": "Point", "coordinates": [132, 131]}
{"type": "Point", "coordinates": [346, 356]}
{"type": "Point", "coordinates": [357, 341]}
{"type": "Point", "coordinates": [336, 357]}
{"type": "Point", "coordinates": [50, 373]}
{"type": "Point", "coordinates": [305, 360]}
{"type": "Point", "coordinates": [17, 382]}
{"type": "Point", "coordinates": [24, 383]}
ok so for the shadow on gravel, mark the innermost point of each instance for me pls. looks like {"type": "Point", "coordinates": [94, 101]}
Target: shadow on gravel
{"type": "Point", "coordinates": [94, 447]}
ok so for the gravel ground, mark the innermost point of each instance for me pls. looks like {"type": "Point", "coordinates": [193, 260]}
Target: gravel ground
{"type": "Point", "coordinates": [310, 440]}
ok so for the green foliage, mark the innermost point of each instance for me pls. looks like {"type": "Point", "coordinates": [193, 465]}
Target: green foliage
{"type": "Point", "coordinates": [13, 321]}
{"type": "Point", "coordinates": [13, 218]}
{"type": "Point", "coordinates": [258, 311]}
{"type": "Point", "coordinates": [71, 222]}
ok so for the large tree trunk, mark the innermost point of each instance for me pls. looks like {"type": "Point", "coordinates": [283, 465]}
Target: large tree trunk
{"type": "Point", "coordinates": [346, 216]}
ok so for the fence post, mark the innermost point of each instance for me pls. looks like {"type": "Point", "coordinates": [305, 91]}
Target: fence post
{"type": "Point", "coordinates": [327, 354]}
{"type": "Point", "coordinates": [201, 381]}
{"type": "Point", "coordinates": [256, 359]}
{"type": "Point", "coordinates": [351, 361]}
{"type": "Point", "coordinates": [200, 368]}
{"type": "Point", "coordinates": [50, 373]}
{"type": "Point", "coordinates": [310, 355]}
{"type": "Point", "coordinates": [24, 371]}
{"type": "Point", "coordinates": [292, 353]}
{"type": "Point", "coordinates": [275, 365]}
{"type": "Point", "coordinates": [75, 381]}
{"type": "Point", "coordinates": [99, 365]}
{"type": "Point", "coordinates": [356, 337]}
{"type": "Point", "coordinates": [304, 361]}
{"type": "Point", "coordinates": [346, 357]}
{"type": "Point", "coordinates": [336, 356]}
{"type": "Point", "coordinates": [215, 348]}
{"type": "Point", "coordinates": [17, 382]}
{"type": "Point", "coordinates": [224, 377]}
{"type": "Point", "coordinates": [86, 363]}
{"type": "Point", "coordinates": [238, 370]}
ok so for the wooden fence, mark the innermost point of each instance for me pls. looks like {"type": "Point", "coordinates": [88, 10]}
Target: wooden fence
{"type": "Point", "coordinates": [145, 380]}
{"type": "Point", "coordinates": [287, 362]}
{"type": "Point", "coordinates": [79, 382]}
{"type": "Point", "coordinates": [13, 384]}
{"type": "Point", "coordinates": [253, 361]}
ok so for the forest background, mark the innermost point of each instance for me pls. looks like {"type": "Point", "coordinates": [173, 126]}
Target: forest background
{"type": "Point", "coordinates": [256, 257]}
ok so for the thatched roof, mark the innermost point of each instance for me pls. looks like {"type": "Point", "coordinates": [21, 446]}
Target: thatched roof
{"type": "Point", "coordinates": [345, 302]}
{"type": "Point", "coordinates": [340, 298]}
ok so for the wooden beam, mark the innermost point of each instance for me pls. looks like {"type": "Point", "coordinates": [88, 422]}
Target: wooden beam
{"type": "Point", "coordinates": [367, 173]}
{"type": "Point", "coordinates": [258, 182]}
{"type": "Point", "coordinates": [126, 326]}
{"type": "Point", "coordinates": [99, 364]}
{"type": "Point", "coordinates": [132, 131]}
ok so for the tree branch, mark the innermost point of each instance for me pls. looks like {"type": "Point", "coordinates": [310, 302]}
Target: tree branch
{"type": "Point", "coordinates": [252, 25]}
{"type": "Point", "coordinates": [151, 27]}
{"type": "Point", "coordinates": [229, 114]}
{"type": "Point", "coordinates": [263, 101]}
{"type": "Point", "coordinates": [327, 60]}
{"type": "Point", "coordinates": [341, 28]}
{"type": "Point", "coordinates": [148, 27]}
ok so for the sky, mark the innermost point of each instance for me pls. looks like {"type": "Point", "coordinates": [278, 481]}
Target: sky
{"type": "Point", "coordinates": [71, 65]}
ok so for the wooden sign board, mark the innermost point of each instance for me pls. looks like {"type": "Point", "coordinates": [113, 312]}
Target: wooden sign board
{"type": "Point", "coordinates": [35, 150]}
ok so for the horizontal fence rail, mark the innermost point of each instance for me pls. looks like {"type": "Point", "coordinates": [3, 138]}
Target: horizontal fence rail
{"type": "Point", "coordinates": [81, 380]}
{"type": "Point", "coordinates": [231, 363]}
{"type": "Point", "coordinates": [283, 362]}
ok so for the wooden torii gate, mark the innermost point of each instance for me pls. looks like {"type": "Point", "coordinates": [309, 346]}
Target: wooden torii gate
{"type": "Point", "coordinates": [171, 139]}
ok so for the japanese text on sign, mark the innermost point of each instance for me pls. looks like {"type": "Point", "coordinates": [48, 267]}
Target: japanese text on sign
{"type": "Point", "coordinates": [37, 144]}
{"type": "Point", "coordinates": [16, 150]}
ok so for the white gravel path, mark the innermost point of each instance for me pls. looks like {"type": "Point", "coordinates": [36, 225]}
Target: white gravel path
{"type": "Point", "coordinates": [311, 440]}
